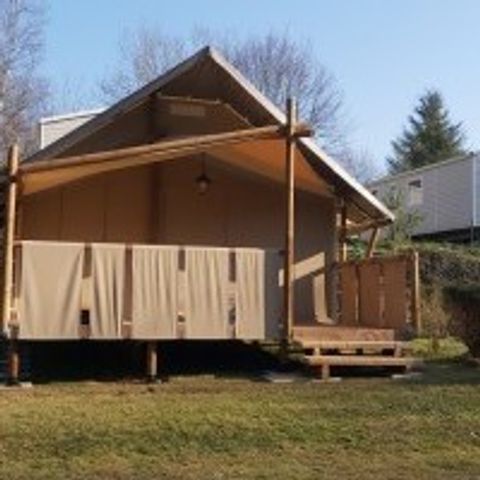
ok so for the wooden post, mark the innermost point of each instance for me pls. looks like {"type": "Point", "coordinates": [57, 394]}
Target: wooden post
{"type": "Point", "coordinates": [372, 242]}
{"type": "Point", "coordinates": [151, 361]}
{"type": "Point", "coordinates": [415, 301]}
{"type": "Point", "coordinates": [9, 234]}
{"type": "Point", "coordinates": [8, 244]}
{"type": "Point", "coordinates": [13, 374]}
{"type": "Point", "coordinates": [289, 258]}
{"type": "Point", "coordinates": [343, 233]}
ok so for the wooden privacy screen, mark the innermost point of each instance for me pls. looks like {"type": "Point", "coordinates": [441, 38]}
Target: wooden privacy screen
{"type": "Point", "coordinates": [379, 292]}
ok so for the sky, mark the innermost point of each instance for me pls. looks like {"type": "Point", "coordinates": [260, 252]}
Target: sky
{"type": "Point", "coordinates": [383, 53]}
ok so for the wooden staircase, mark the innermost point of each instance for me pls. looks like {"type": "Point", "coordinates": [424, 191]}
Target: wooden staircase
{"type": "Point", "coordinates": [324, 347]}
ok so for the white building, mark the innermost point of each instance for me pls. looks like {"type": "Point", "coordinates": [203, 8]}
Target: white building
{"type": "Point", "coordinates": [446, 195]}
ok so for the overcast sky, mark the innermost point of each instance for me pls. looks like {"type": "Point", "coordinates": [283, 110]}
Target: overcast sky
{"type": "Point", "coordinates": [384, 53]}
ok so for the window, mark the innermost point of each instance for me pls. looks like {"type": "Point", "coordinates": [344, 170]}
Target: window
{"type": "Point", "coordinates": [415, 192]}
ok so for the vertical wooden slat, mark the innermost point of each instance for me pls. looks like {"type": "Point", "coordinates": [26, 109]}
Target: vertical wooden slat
{"type": "Point", "coordinates": [415, 302]}
{"type": "Point", "coordinates": [369, 294]}
{"type": "Point", "coordinates": [86, 293]}
{"type": "Point", "coordinates": [126, 327]}
{"type": "Point", "coordinates": [395, 287]}
{"type": "Point", "coordinates": [349, 289]}
{"type": "Point", "coordinates": [289, 259]}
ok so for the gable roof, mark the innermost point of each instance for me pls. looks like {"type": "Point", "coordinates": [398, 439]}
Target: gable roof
{"type": "Point", "coordinates": [206, 74]}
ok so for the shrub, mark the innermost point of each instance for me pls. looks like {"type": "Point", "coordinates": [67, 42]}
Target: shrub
{"type": "Point", "coordinates": [436, 314]}
{"type": "Point", "coordinates": [464, 302]}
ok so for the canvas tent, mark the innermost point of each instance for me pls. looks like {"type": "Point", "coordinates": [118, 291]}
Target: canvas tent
{"type": "Point", "coordinates": [148, 256]}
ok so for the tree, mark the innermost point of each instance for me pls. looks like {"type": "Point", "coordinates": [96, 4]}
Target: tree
{"type": "Point", "coordinates": [405, 223]}
{"type": "Point", "coordinates": [275, 63]}
{"type": "Point", "coordinates": [430, 137]}
{"type": "Point", "coordinates": [143, 55]}
{"type": "Point", "coordinates": [22, 89]}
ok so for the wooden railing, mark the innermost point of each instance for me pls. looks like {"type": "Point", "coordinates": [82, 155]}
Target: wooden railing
{"type": "Point", "coordinates": [380, 292]}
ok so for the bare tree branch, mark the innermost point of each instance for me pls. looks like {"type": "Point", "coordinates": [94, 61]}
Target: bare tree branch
{"type": "Point", "coordinates": [22, 91]}
{"type": "Point", "coordinates": [143, 55]}
{"type": "Point", "coordinates": [275, 63]}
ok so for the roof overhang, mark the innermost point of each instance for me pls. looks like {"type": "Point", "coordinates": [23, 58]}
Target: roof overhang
{"type": "Point", "coordinates": [362, 206]}
{"type": "Point", "coordinates": [256, 150]}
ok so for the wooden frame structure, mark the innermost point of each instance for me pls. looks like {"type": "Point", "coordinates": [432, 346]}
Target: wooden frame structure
{"type": "Point", "coordinates": [291, 131]}
{"type": "Point", "coordinates": [52, 167]}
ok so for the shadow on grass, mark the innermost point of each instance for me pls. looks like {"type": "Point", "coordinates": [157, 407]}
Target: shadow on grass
{"type": "Point", "coordinates": [454, 371]}
{"type": "Point", "coordinates": [125, 361]}
{"type": "Point", "coordinates": [116, 361]}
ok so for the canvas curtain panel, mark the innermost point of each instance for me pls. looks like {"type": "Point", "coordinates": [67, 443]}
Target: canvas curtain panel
{"type": "Point", "coordinates": [258, 296]}
{"type": "Point", "coordinates": [154, 291]}
{"type": "Point", "coordinates": [108, 282]}
{"type": "Point", "coordinates": [148, 288]}
{"type": "Point", "coordinates": [50, 290]}
{"type": "Point", "coordinates": [206, 293]}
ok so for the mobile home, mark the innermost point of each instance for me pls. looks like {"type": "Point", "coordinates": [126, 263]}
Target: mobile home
{"type": "Point", "coordinates": [444, 195]}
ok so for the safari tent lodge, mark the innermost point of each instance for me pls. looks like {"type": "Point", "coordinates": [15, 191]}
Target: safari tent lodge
{"type": "Point", "coordinates": [195, 209]}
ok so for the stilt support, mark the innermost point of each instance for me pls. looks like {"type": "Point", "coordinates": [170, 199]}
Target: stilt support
{"type": "Point", "coordinates": [152, 362]}
{"type": "Point", "coordinates": [13, 377]}
{"type": "Point", "coordinates": [325, 371]}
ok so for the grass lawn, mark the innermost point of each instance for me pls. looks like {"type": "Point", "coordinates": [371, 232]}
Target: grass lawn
{"type": "Point", "coordinates": [200, 427]}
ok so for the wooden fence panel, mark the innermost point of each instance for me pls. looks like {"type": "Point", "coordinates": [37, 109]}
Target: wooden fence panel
{"type": "Point", "coordinates": [395, 281]}
{"type": "Point", "coordinates": [369, 294]}
{"type": "Point", "coordinates": [349, 289]}
{"type": "Point", "coordinates": [380, 292]}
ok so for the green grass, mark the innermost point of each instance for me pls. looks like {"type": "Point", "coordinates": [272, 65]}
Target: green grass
{"type": "Point", "coordinates": [209, 428]}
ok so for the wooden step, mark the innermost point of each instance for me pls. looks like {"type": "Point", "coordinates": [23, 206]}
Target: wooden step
{"type": "Point", "coordinates": [347, 344]}
{"type": "Point", "coordinates": [362, 360]}
{"type": "Point", "coordinates": [318, 347]}
{"type": "Point", "coordinates": [327, 361]}
{"type": "Point", "coordinates": [340, 333]}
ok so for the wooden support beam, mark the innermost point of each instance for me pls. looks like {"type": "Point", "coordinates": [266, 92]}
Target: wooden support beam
{"type": "Point", "coordinates": [289, 258]}
{"type": "Point", "coordinates": [8, 258]}
{"type": "Point", "coordinates": [325, 371]}
{"type": "Point", "coordinates": [13, 365]}
{"type": "Point", "coordinates": [362, 227]}
{"type": "Point", "coordinates": [9, 235]}
{"type": "Point", "coordinates": [185, 146]}
{"type": "Point", "coordinates": [342, 256]}
{"type": "Point", "coordinates": [152, 361]}
{"type": "Point", "coordinates": [372, 242]}
{"type": "Point", "coordinates": [152, 119]}
{"type": "Point", "coordinates": [415, 299]}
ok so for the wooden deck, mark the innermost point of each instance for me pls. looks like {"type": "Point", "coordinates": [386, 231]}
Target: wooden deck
{"type": "Point", "coordinates": [342, 333]}
{"type": "Point", "coordinates": [326, 346]}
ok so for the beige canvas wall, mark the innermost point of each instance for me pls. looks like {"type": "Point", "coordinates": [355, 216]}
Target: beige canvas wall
{"type": "Point", "coordinates": [160, 204]}
{"type": "Point", "coordinates": [240, 210]}
{"type": "Point", "coordinates": [114, 207]}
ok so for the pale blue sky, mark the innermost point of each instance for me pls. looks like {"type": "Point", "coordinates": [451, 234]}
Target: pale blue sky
{"type": "Point", "coordinates": [384, 53]}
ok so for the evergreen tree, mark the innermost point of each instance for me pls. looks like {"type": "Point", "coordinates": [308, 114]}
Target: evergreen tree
{"type": "Point", "coordinates": [430, 137]}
